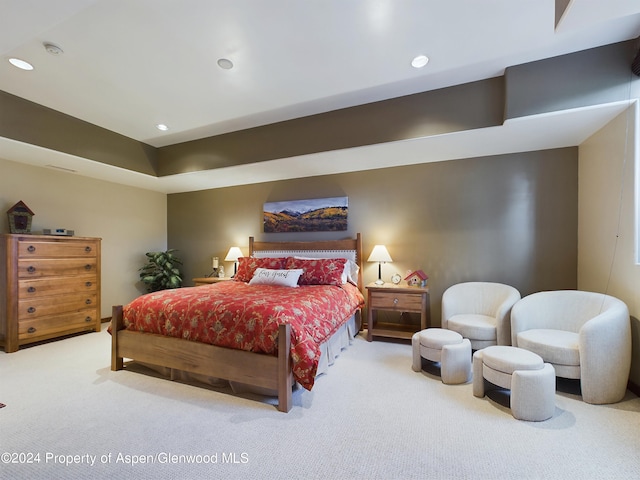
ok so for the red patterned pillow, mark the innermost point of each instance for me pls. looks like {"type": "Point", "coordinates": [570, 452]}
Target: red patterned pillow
{"type": "Point", "coordinates": [321, 271]}
{"type": "Point", "coordinates": [247, 266]}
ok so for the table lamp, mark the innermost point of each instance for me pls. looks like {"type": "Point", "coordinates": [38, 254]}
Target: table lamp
{"type": "Point", "coordinates": [232, 256]}
{"type": "Point", "coordinates": [381, 255]}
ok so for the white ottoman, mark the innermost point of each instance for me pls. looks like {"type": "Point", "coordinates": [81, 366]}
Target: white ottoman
{"type": "Point", "coordinates": [531, 381]}
{"type": "Point", "coordinates": [444, 346]}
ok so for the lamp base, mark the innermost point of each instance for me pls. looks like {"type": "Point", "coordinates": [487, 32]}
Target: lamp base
{"type": "Point", "coordinates": [379, 282]}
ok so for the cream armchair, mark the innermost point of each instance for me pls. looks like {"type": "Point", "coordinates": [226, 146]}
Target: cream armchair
{"type": "Point", "coordinates": [584, 335]}
{"type": "Point", "coordinates": [479, 311]}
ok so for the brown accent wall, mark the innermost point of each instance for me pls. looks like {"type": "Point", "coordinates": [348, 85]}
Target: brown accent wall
{"type": "Point", "coordinates": [35, 124]}
{"type": "Point", "coordinates": [509, 218]}
{"type": "Point", "coordinates": [582, 79]}
{"type": "Point", "coordinates": [463, 107]}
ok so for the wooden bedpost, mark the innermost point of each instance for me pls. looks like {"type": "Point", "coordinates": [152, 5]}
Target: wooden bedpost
{"type": "Point", "coordinates": [285, 383]}
{"type": "Point", "coordinates": [359, 261]}
{"type": "Point", "coordinates": [116, 324]}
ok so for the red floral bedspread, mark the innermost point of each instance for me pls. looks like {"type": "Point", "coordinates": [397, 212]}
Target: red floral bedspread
{"type": "Point", "coordinates": [246, 317]}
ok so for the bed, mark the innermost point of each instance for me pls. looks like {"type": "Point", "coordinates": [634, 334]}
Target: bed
{"type": "Point", "coordinates": [272, 363]}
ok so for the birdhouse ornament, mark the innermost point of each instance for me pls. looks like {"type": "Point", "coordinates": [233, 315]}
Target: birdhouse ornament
{"type": "Point", "coordinates": [417, 279]}
{"type": "Point", "coordinates": [20, 218]}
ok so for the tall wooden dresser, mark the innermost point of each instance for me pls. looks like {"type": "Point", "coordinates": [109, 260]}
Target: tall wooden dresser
{"type": "Point", "coordinates": [49, 287]}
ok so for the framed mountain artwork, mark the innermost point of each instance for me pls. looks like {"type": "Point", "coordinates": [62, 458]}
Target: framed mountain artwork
{"type": "Point", "coordinates": [314, 215]}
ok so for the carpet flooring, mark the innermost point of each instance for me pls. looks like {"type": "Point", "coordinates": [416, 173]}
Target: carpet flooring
{"type": "Point", "coordinates": [68, 416]}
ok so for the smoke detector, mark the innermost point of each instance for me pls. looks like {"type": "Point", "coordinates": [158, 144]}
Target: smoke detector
{"type": "Point", "coordinates": [52, 49]}
{"type": "Point", "coordinates": [225, 63]}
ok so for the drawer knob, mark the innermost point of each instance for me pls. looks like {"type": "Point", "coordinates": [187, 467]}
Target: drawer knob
{"type": "Point", "coordinates": [88, 319]}
{"type": "Point", "coordinates": [87, 284]}
{"type": "Point", "coordinates": [395, 301]}
{"type": "Point", "coordinates": [87, 249]}
{"type": "Point", "coordinates": [31, 289]}
{"type": "Point", "coordinates": [88, 301]}
{"type": "Point", "coordinates": [31, 249]}
{"type": "Point", "coordinates": [31, 330]}
{"type": "Point", "coordinates": [31, 310]}
{"type": "Point", "coordinates": [87, 267]}
{"type": "Point", "coordinates": [31, 269]}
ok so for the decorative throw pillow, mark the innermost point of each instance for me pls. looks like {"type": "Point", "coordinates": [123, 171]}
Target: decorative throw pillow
{"type": "Point", "coordinates": [285, 278]}
{"type": "Point", "coordinates": [247, 266]}
{"type": "Point", "coordinates": [319, 271]}
{"type": "Point", "coordinates": [351, 269]}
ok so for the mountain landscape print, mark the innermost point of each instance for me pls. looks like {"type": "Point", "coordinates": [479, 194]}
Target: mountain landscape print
{"type": "Point", "coordinates": [315, 215]}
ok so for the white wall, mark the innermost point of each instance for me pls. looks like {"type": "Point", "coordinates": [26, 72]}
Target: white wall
{"type": "Point", "coordinates": [130, 221]}
{"type": "Point", "coordinates": [607, 218]}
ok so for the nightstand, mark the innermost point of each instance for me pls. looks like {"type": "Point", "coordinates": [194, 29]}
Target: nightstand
{"type": "Point", "coordinates": [209, 280]}
{"type": "Point", "coordinates": [396, 298]}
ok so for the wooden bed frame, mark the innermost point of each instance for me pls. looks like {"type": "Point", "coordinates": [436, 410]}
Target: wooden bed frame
{"type": "Point", "coordinates": [256, 369]}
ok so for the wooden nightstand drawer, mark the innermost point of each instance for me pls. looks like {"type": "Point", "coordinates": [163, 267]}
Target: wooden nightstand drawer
{"type": "Point", "coordinates": [393, 301]}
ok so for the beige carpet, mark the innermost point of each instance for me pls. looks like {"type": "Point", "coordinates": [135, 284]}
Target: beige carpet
{"type": "Point", "coordinates": [68, 416]}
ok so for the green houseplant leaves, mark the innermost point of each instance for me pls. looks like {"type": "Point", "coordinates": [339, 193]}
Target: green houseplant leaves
{"type": "Point", "coordinates": [161, 271]}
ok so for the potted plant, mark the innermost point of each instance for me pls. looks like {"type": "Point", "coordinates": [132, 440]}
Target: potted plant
{"type": "Point", "coordinates": [161, 271]}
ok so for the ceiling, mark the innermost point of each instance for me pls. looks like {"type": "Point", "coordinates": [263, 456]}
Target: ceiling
{"type": "Point", "coordinates": [128, 65]}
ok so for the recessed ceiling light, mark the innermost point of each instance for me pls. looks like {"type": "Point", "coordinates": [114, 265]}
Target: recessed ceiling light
{"type": "Point", "coordinates": [16, 62]}
{"type": "Point", "coordinates": [162, 126]}
{"type": "Point", "coordinates": [225, 63]}
{"type": "Point", "coordinates": [419, 61]}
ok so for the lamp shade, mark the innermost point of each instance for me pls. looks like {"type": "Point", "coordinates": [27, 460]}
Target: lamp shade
{"type": "Point", "coordinates": [233, 255]}
{"type": "Point", "coordinates": [379, 254]}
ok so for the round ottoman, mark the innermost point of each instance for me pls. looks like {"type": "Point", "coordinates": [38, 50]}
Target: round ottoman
{"type": "Point", "coordinates": [446, 347]}
{"type": "Point", "coordinates": [531, 381]}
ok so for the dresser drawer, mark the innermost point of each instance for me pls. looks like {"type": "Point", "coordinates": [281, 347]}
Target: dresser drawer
{"type": "Point", "coordinates": [393, 301]}
{"type": "Point", "coordinates": [40, 307]}
{"type": "Point", "coordinates": [56, 285]}
{"type": "Point", "coordinates": [35, 268]}
{"type": "Point", "coordinates": [52, 249]}
{"type": "Point", "coordinates": [56, 325]}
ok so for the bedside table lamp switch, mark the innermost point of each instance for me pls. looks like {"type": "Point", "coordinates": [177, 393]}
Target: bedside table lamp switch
{"type": "Point", "coordinates": [381, 255]}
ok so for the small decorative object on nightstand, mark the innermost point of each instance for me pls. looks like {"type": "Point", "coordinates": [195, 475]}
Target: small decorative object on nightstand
{"type": "Point", "coordinates": [399, 299]}
{"type": "Point", "coordinates": [215, 264]}
{"type": "Point", "coordinates": [381, 255]}
{"type": "Point", "coordinates": [417, 279]}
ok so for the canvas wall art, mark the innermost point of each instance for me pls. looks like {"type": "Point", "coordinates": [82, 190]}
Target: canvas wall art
{"type": "Point", "coordinates": [315, 215]}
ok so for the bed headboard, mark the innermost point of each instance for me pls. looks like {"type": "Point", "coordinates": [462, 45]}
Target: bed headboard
{"type": "Point", "coordinates": [350, 248]}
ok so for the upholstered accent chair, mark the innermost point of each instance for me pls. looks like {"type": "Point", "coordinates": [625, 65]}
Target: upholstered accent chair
{"type": "Point", "coordinates": [584, 335]}
{"type": "Point", "coordinates": [480, 311]}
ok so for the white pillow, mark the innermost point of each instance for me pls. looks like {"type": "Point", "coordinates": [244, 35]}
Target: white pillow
{"type": "Point", "coordinates": [351, 269]}
{"type": "Point", "coordinates": [285, 278]}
